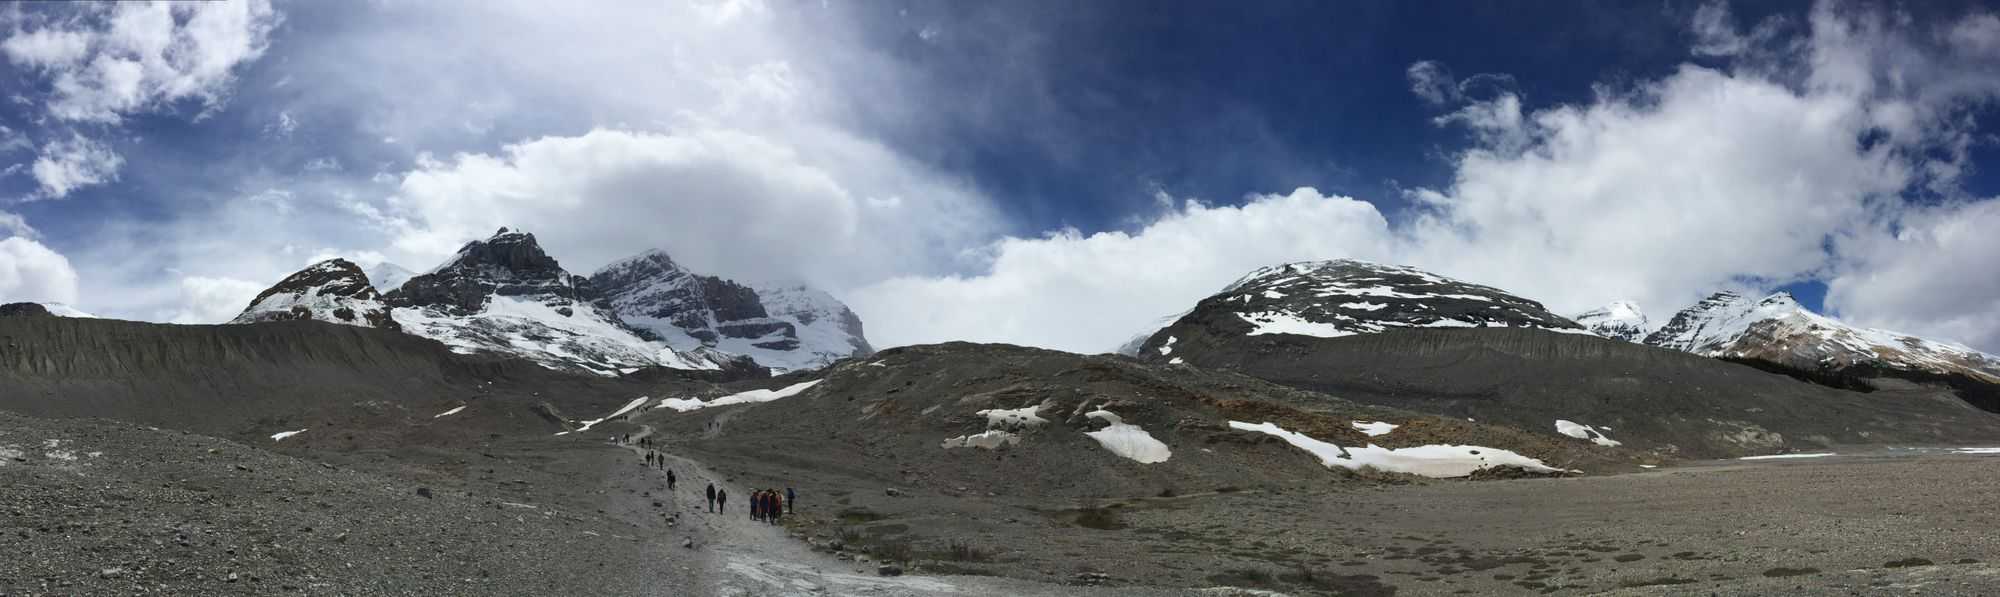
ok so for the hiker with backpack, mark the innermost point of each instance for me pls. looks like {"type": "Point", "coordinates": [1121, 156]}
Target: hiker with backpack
{"type": "Point", "coordinates": [711, 497]}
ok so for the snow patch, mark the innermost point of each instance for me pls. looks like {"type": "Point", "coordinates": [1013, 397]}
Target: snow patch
{"type": "Point", "coordinates": [1364, 306]}
{"type": "Point", "coordinates": [992, 438]}
{"type": "Point", "coordinates": [1976, 451]}
{"type": "Point", "coordinates": [1271, 322]}
{"type": "Point", "coordinates": [1013, 418]}
{"type": "Point", "coordinates": [1128, 440]}
{"type": "Point", "coordinates": [1788, 456]}
{"type": "Point", "coordinates": [1581, 431]}
{"type": "Point", "coordinates": [447, 413]}
{"type": "Point", "coordinates": [1168, 347]}
{"type": "Point", "coordinates": [280, 436]}
{"type": "Point", "coordinates": [1374, 428]}
{"type": "Point", "coordinates": [614, 414]}
{"type": "Point", "coordinates": [750, 397]}
{"type": "Point", "coordinates": [1436, 461]}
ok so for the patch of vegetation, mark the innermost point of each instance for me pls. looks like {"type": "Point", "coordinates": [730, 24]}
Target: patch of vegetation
{"type": "Point", "coordinates": [1103, 519]}
{"type": "Point", "coordinates": [1782, 572]}
{"type": "Point", "coordinates": [858, 515]}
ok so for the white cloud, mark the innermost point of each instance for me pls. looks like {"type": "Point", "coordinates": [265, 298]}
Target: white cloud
{"type": "Point", "coordinates": [1432, 82]}
{"type": "Point", "coordinates": [32, 272]}
{"type": "Point", "coordinates": [727, 201]}
{"type": "Point", "coordinates": [101, 63]}
{"type": "Point", "coordinates": [206, 299]}
{"type": "Point", "coordinates": [1930, 275]}
{"type": "Point", "coordinates": [12, 224]}
{"type": "Point", "coordinates": [1089, 293]}
{"type": "Point", "coordinates": [74, 163]}
{"type": "Point", "coordinates": [134, 56]}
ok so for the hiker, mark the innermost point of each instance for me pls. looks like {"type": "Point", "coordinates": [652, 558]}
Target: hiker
{"type": "Point", "coordinates": [670, 480]}
{"type": "Point", "coordinates": [722, 501]}
{"type": "Point", "coordinates": [649, 460]}
{"type": "Point", "coordinates": [711, 497]}
{"type": "Point", "coordinates": [756, 505]}
{"type": "Point", "coordinates": [777, 506]}
{"type": "Point", "coordinates": [791, 500]}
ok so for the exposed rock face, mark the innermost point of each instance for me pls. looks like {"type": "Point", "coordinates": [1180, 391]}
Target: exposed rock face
{"type": "Point", "coordinates": [1330, 299]}
{"type": "Point", "coordinates": [1777, 333]}
{"type": "Point", "coordinates": [785, 328]}
{"type": "Point", "coordinates": [510, 263]}
{"type": "Point", "coordinates": [24, 310]}
{"type": "Point", "coordinates": [334, 291]}
{"type": "Point", "coordinates": [506, 295]}
{"type": "Point", "coordinates": [1622, 320]}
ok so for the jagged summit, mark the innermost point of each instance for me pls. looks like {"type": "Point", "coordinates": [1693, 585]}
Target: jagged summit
{"type": "Point", "coordinates": [509, 263]}
{"type": "Point", "coordinates": [784, 327]}
{"type": "Point", "coordinates": [506, 295]}
{"type": "Point", "coordinates": [334, 291]}
{"type": "Point", "coordinates": [1622, 320]}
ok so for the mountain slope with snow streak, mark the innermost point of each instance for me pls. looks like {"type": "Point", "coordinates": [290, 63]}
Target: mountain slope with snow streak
{"type": "Point", "coordinates": [1332, 299]}
{"type": "Point", "coordinates": [505, 295]}
{"type": "Point", "coordinates": [1622, 320]}
{"type": "Point", "coordinates": [1776, 331]}
{"type": "Point", "coordinates": [334, 290]}
{"type": "Point", "coordinates": [783, 327]}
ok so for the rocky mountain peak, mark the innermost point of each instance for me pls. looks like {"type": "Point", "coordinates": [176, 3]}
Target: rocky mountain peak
{"type": "Point", "coordinates": [785, 327]}
{"type": "Point", "coordinates": [1622, 320]}
{"type": "Point", "coordinates": [335, 290]}
{"type": "Point", "coordinates": [509, 263]}
{"type": "Point", "coordinates": [1345, 297]}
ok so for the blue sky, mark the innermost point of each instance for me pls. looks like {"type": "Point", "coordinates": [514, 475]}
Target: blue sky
{"type": "Point", "coordinates": [1034, 172]}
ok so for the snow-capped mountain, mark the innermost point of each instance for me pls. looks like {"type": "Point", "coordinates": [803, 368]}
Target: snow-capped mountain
{"type": "Point", "coordinates": [505, 295]}
{"type": "Point", "coordinates": [1777, 330]}
{"type": "Point", "coordinates": [1345, 297]}
{"type": "Point", "coordinates": [388, 276]}
{"type": "Point", "coordinates": [1622, 320]}
{"type": "Point", "coordinates": [783, 327]}
{"type": "Point", "coordinates": [334, 291]}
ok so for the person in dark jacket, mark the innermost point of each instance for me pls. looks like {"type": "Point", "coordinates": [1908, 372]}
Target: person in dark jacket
{"type": "Point", "coordinates": [722, 501]}
{"type": "Point", "coordinates": [711, 497]}
{"type": "Point", "coordinates": [670, 480]}
{"type": "Point", "coordinates": [791, 501]}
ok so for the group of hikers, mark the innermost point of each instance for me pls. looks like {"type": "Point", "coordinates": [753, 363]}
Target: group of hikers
{"type": "Point", "coordinates": [768, 505]}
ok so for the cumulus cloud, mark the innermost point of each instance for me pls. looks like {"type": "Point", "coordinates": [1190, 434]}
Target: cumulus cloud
{"type": "Point", "coordinates": [1088, 293]}
{"type": "Point", "coordinates": [207, 299]}
{"type": "Point", "coordinates": [32, 272]}
{"type": "Point", "coordinates": [747, 205]}
{"type": "Point", "coordinates": [74, 163]}
{"type": "Point", "coordinates": [132, 56]}
{"type": "Point", "coordinates": [1927, 275]}
{"type": "Point", "coordinates": [97, 64]}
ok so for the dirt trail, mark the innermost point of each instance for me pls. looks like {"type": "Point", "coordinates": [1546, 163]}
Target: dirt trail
{"type": "Point", "coordinates": [738, 557]}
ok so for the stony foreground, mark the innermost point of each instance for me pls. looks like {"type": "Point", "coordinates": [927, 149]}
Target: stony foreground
{"type": "Point", "coordinates": [97, 507]}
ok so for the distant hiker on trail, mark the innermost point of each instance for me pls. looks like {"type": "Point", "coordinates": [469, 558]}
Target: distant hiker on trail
{"type": "Point", "coordinates": [722, 501]}
{"type": "Point", "coordinates": [670, 480]}
{"type": "Point", "coordinates": [756, 504]}
{"type": "Point", "coordinates": [791, 500]}
{"type": "Point", "coordinates": [777, 505]}
{"type": "Point", "coordinates": [711, 497]}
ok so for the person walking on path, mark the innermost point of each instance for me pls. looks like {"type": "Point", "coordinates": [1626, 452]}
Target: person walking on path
{"type": "Point", "coordinates": [791, 500]}
{"type": "Point", "coordinates": [722, 501]}
{"type": "Point", "coordinates": [670, 479]}
{"type": "Point", "coordinates": [711, 497]}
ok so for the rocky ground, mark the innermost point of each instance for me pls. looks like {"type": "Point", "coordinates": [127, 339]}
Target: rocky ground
{"type": "Point", "coordinates": [448, 477]}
